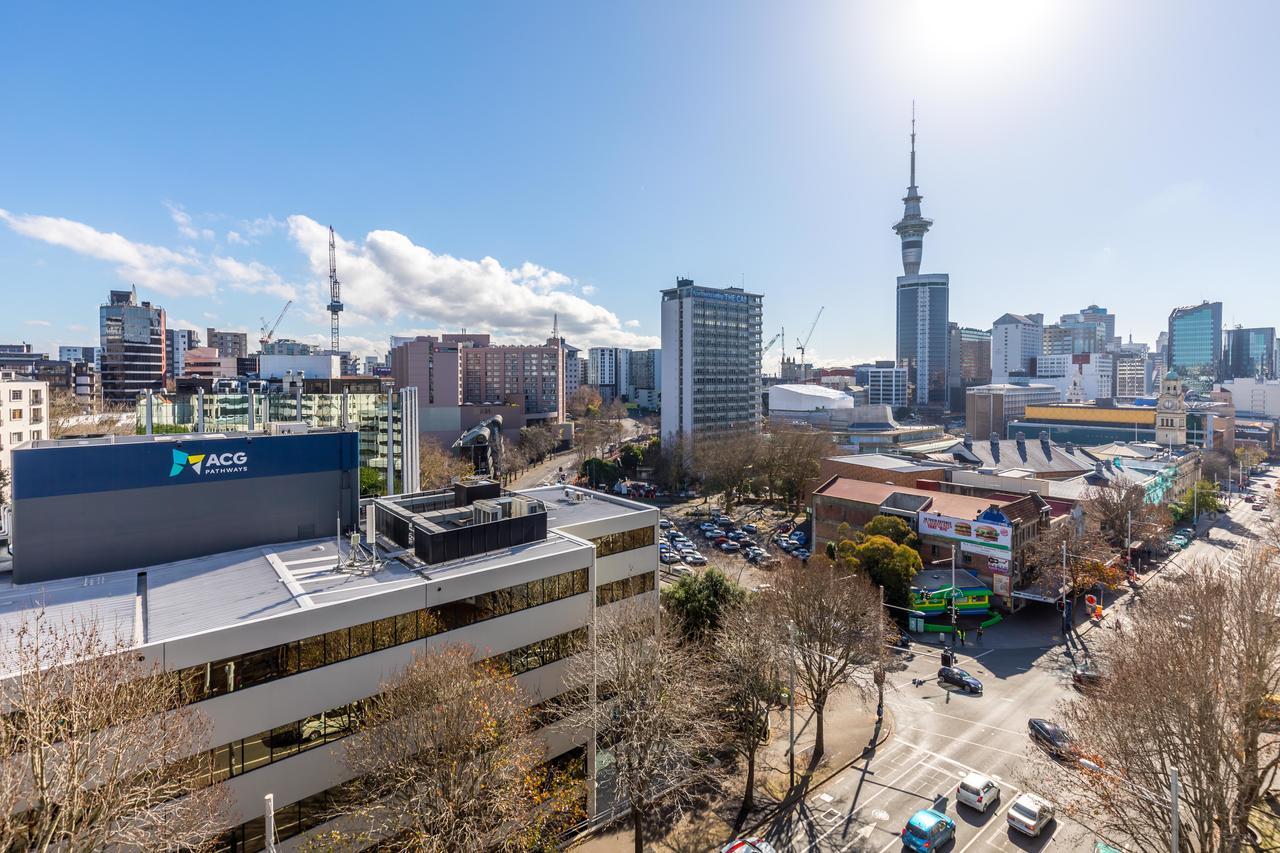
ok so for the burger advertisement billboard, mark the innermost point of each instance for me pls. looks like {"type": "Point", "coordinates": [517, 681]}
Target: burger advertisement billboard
{"type": "Point", "coordinates": [975, 537]}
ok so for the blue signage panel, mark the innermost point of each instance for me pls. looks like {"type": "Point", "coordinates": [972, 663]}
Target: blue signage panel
{"type": "Point", "coordinates": [76, 469]}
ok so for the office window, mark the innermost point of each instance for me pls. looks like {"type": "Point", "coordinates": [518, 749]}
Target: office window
{"type": "Point", "coordinates": [15, 414]}
{"type": "Point", "coordinates": [627, 540]}
{"type": "Point", "coordinates": [15, 395]}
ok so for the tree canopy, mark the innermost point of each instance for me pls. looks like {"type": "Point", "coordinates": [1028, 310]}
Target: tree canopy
{"type": "Point", "coordinates": [699, 602]}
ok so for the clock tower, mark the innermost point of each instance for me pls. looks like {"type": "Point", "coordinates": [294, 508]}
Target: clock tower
{"type": "Point", "coordinates": [1171, 412]}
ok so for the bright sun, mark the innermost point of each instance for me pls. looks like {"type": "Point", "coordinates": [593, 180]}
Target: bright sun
{"type": "Point", "coordinates": [976, 35]}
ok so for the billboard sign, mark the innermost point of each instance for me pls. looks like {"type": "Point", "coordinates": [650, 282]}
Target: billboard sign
{"type": "Point", "coordinates": [976, 537]}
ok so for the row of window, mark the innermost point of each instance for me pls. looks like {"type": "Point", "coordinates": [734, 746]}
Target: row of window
{"type": "Point", "coordinates": [204, 681]}
{"type": "Point", "coordinates": [289, 739]}
{"type": "Point", "coordinates": [627, 540]}
{"type": "Point", "coordinates": [607, 593]}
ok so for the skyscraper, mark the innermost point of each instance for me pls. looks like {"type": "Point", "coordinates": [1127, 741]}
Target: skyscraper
{"type": "Point", "coordinates": [1195, 345]}
{"type": "Point", "coordinates": [970, 359]}
{"type": "Point", "coordinates": [922, 305]}
{"type": "Point", "coordinates": [1250, 354]}
{"type": "Point", "coordinates": [710, 361]}
{"type": "Point", "coordinates": [1016, 342]}
{"type": "Point", "coordinates": [176, 344]}
{"type": "Point", "coordinates": [132, 343]}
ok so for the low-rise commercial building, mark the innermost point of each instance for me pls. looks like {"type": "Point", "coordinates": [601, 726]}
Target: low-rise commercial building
{"type": "Point", "coordinates": [990, 408]}
{"type": "Point", "coordinates": [284, 637]}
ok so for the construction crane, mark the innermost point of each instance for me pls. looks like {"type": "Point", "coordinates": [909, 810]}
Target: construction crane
{"type": "Point", "coordinates": [269, 331]}
{"type": "Point", "coordinates": [769, 345]}
{"type": "Point", "coordinates": [800, 345]}
{"type": "Point", "coordinates": [335, 294]}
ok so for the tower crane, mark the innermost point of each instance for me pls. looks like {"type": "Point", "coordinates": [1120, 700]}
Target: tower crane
{"type": "Point", "coordinates": [800, 345]}
{"type": "Point", "coordinates": [335, 295]}
{"type": "Point", "coordinates": [269, 331]}
{"type": "Point", "coordinates": [769, 345]}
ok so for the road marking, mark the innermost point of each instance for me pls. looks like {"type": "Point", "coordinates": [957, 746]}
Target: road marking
{"type": "Point", "coordinates": [995, 824]}
{"type": "Point", "coordinates": [976, 723]}
{"type": "Point", "coordinates": [887, 787]}
{"type": "Point", "coordinates": [970, 742]}
{"type": "Point", "coordinates": [827, 798]}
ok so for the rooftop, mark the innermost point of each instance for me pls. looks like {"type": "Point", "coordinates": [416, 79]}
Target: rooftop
{"type": "Point", "coordinates": [944, 503]}
{"type": "Point", "coordinates": [886, 462]}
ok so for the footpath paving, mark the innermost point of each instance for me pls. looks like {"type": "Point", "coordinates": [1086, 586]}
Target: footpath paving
{"type": "Point", "coordinates": [850, 727]}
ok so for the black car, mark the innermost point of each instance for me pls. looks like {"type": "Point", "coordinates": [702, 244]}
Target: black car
{"type": "Point", "coordinates": [1051, 736]}
{"type": "Point", "coordinates": [960, 678]}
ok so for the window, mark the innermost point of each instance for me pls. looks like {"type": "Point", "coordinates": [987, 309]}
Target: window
{"type": "Point", "coordinates": [627, 540]}
{"type": "Point", "coordinates": [36, 435]}
{"type": "Point", "coordinates": [15, 414]}
{"type": "Point", "coordinates": [626, 588]}
{"type": "Point", "coordinates": [15, 395]}
{"type": "Point", "coordinates": [37, 415]}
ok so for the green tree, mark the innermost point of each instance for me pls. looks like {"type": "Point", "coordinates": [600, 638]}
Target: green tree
{"type": "Point", "coordinates": [597, 470]}
{"type": "Point", "coordinates": [631, 457]}
{"type": "Point", "coordinates": [372, 482]}
{"type": "Point", "coordinates": [1201, 497]}
{"type": "Point", "coordinates": [892, 527]}
{"type": "Point", "coordinates": [698, 602]}
{"type": "Point", "coordinates": [890, 565]}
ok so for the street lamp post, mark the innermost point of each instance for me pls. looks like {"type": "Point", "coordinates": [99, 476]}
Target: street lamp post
{"type": "Point", "coordinates": [791, 693]}
{"type": "Point", "coordinates": [1175, 821]}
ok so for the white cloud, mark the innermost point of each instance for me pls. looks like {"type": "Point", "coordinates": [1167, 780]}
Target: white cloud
{"type": "Point", "coordinates": [388, 278]}
{"type": "Point", "coordinates": [185, 272]}
{"type": "Point", "coordinates": [77, 327]}
{"type": "Point", "coordinates": [588, 289]}
{"type": "Point", "coordinates": [234, 238]}
{"type": "Point", "coordinates": [36, 323]}
{"type": "Point", "coordinates": [178, 323]}
{"type": "Point", "coordinates": [185, 226]}
{"type": "Point", "coordinates": [632, 324]}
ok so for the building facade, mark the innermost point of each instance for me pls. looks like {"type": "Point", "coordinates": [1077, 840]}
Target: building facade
{"type": "Point", "coordinates": [132, 343]}
{"type": "Point", "coordinates": [1083, 375]}
{"type": "Point", "coordinates": [1250, 353]}
{"type": "Point", "coordinates": [1195, 345]}
{"type": "Point", "coordinates": [1171, 413]}
{"type": "Point", "coordinates": [1016, 342]}
{"type": "Point", "coordinates": [177, 342]}
{"type": "Point", "coordinates": [989, 408]}
{"type": "Point", "coordinates": [609, 370]}
{"type": "Point", "coordinates": [24, 411]}
{"type": "Point", "coordinates": [710, 360]}
{"type": "Point", "coordinates": [288, 346]}
{"type": "Point", "coordinates": [886, 386]}
{"type": "Point", "coordinates": [89, 354]}
{"type": "Point", "coordinates": [228, 344]}
{"type": "Point", "coordinates": [970, 361]}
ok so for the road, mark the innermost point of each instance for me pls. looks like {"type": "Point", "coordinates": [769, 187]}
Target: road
{"type": "Point", "coordinates": [940, 734]}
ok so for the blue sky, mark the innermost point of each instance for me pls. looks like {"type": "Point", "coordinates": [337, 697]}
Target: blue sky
{"type": "Point", "coordinates": [488, 165]}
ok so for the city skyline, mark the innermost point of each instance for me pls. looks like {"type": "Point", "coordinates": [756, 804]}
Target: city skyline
{"type": "Point", "coordinates": [213, 199]}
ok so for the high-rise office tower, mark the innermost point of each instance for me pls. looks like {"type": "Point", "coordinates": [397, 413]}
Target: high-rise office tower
{"type": "Point", "coordinates": [970, 360]}
{"type": "Point", "coordinates": [1250, 354]}
{"type": "Point", "coordinates": [1016, 341]}
{"type": "Point", "coordinates": [710, 361]}
{"type": "Point", "coordinates": [176, 344]}
{"type": "Point", "coordinates": [132, 343]}
{"type": "Point", "coordinates": [922, 305]}
{"type": "Point", "coordinates": [1194, 353]}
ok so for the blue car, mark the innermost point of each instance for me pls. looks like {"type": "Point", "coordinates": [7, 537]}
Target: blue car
{"type": "Point", "coordinates": [927, 831]}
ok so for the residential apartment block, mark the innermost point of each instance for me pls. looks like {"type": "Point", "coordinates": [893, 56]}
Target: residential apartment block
{"type": "Point", "coordinates": [132, 344]}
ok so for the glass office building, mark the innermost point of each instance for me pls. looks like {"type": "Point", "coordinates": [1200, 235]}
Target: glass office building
{"type": "Point", "coordinates": [923, 336]}
{"type": "Point", "coordinates": [1251, 354]}
{"type": "Point", "coordinates": [1195, 345]}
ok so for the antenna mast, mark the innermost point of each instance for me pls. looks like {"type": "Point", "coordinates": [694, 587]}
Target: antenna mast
{"type": "Point", "coordinates": [335, 294]}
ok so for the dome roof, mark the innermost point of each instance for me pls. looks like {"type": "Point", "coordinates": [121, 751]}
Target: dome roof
{"type": "Point", "coordinates": [1171, 375]}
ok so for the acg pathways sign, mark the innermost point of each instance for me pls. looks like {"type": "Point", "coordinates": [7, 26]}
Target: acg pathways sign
{"type": "Point", "coordinates": [208, 464]}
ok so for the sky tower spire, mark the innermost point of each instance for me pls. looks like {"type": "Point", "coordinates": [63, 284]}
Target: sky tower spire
{"type": "Point", "coordinates": [912, 227]}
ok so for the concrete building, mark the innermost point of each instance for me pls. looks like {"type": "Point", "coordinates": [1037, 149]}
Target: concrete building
{"type": "Point", "coordinates": [1210, 424]}
{"type": "Point", "coordinates": [177, 342]}
{"type": "Point", "coordinates": [1132, 370]}
{"type": "Point", "coordinates": [284, 637]}
{"type": "Point", "coordinates": [575, 369]}
{"type": "Point", "coordinates": [431, 366]}
{"type": "Point", "coordinates": [288, 346]}
{"type": "Point", "coordinates": [922, 306]}
{"type": "Point", "coordinates": [89, 354]}
{"type": "Point", "coordinates": [886, 386]}
{"type": "Point", "coordinates": [24, 412]}
{"type": "Point", "coordinates": [228, 344]}
{"type": "Point", "coordinates": [790, 399]}
{"type": "Point", "coordinates": [318, 366]}
{"type": "Point", "coordinates": [1254, 397]}
{"type": "Point", "coordinates": [990, 408]}
{"type": "Point", "coordinates": [1016, 342]}
{"type": "Point", "coordinates": [1195, 344]}
{"type": "Point", "coordinates": [609, 371]}
{"type": "Point", "coordinates": [970, 361]}
{"type": "Point", "coordinates": [710, 361]}
{"type": "Point", "coordinates": [132, 344]}
{"type": "Point", "coordinates": [1083, 376]}
{"type": "Point", "coordinates": [1016, 457]}
{"type": "Point", "coordinates": [1091, 329]}
{"type": "Point", "coordinates": [1171, 412]}
{"type": "Point", "coordinates": [205, 362]}
{"type": "Point", "coordinates": [1250, 353]}
{"type": "Point", "coordinates": [646, 378]}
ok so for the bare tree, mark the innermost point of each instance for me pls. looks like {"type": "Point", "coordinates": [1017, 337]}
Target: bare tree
{"type": "Point", "coordinates": [793, 457]}
{"type": "Point", "coordinates": [444, 758]}
{"type": "Point", "coordinates": [657, 712]}
{"type": "Point", "coordinates": [1117, 509]}
{"type": "Point", "coordinates": [1189, 683]}
{"type": "Point", "coordinates": [839, 629]}
{"type": "Point", "coordinates": [437, 467]}
{"type": "Point", "coordinates": [1088, 562]}
{"type": "Point", "coordinates": [98, 749]}
{"type": "Point", "coordinates": [726, 463]}
{"type": "Point", "coordinates": [584, 402]}
{"type": "Point", "coordinates": [749, 666]}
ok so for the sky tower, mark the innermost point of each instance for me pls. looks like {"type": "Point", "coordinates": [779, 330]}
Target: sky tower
{"type": "Point", "coordinates": [912, 227]}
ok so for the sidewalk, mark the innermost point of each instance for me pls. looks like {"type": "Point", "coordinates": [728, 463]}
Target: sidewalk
{"type": "Point", "coordinates": [850, 726]}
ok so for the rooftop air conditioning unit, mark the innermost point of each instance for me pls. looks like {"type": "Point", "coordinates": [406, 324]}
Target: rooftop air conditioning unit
{"type": "Point", "coordinates": [288, 428]}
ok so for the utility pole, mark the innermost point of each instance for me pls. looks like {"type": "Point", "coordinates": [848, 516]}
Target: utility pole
{"type": "Point", "coordinates": [955, 555]}
{"type": "Point", "coordinates": [791, 693]}
{"type": "Point", "coordinates": [1066, 620]}
{"type": "Point", "coordinates": [879, 675]}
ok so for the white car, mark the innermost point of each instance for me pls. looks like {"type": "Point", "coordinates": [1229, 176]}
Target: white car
{"type": "Point", "coordinates": [694, 558]}
{"type": "Point", "coordinates": [977, 792]}
{"type": "Point", "coordinates": [1030, 814]}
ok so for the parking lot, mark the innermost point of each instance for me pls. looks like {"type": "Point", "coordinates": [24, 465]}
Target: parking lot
{"type": "Point", "coordinates": [747, 545]}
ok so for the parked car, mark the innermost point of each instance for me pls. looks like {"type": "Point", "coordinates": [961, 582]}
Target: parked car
{"type": "Point", "coordinates": [801, 554]}
{"type": "Point", "coordinates": [957, 676]}
{"type": "Point", "coordinates": [705, 525]}
{"type": "Point", "coordinates": [1265, 517]}
{"type": "Point", "coordinates": [798, 537]}
{"type": "Point", "coordinates": [713, 534]}
{"type": "Point", "coordinates": [750, 528]}
{"type": "Point", "coordinates": [664, 523]}
{"type": "Point", "coordinates": [1250, 498]}
{"type": "Point", "coordinates": [787, 545]}
{"type": "Point", "coordinates": [729, 546]}
{"type": "Point", "coordinates": [669, 557]}
{"type": "Point", "coordinates": [1052, 737]}
{"type": "Point", "coordinates": [748, 845]}
{"type": "Point", "coordinates": [736, 535]}
{"type": "Point", "coordinates": [1030, 814]}
{"type": "Point", "coordinates": [977, 792]}
{"type": "Point", "coordinates": [927, 831]}
{"type": "Point", "coordinates": [693, 558]}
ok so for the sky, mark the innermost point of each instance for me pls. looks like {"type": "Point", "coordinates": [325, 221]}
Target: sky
{"type": "Point", "coordinates": [494, 166]}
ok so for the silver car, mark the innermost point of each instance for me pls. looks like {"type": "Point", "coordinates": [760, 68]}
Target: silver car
{"type": "Point", "coordinates": [978, 792]}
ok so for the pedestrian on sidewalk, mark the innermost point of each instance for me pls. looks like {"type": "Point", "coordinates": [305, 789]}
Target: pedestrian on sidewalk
{"type": "Point", "coordinates": [979, 633]}
{"type": "Point", "coordinates": [960, 635]}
